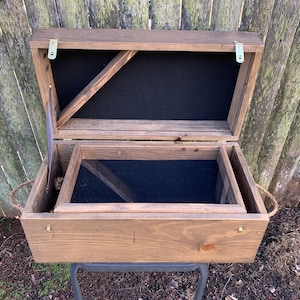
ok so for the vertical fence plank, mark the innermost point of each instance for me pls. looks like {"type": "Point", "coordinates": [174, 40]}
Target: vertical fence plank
{"type": "Point", "coordinates": [284, 109]}
{"type": "Point", "coordinates": [134, 14]}
{"type": "Point", "coordinates": [285, 184]}
{"type": "Point", "coordinates": [282, 30]}
{"type": "Point", "coordinates": [257, 16]}
{"type": "Point", "coordinates": [72, 13]}
{"type": "Point", "coordinates": [196, 14]}
{"type": "Point", "coordinates": [104, 13]}
{"type": "Point", "coordinates": [41, 13]}
{"type": "Point", "coordinates": [11, 167]}
{"type": "Point", "coordinates": [5, 208]}
{"type": "Point", "coordinates": [16, 117]}
{"type": "Point", "coordinates": [16, 34]}
{"type": "Point", "coordinates": [226, 15]}
{"type": "Point", "coordinates": [166, 14]}
{"type": "Point", "coordinates": [22, 124]}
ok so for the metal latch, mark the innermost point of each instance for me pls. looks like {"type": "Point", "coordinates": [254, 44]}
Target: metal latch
{"type": "Point", "coordinates": [239, 52]}
{"type": "Point", "coordinates": [52, 48]}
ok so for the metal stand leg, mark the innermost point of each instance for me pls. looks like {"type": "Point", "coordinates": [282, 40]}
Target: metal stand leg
{"type": "Point", "coordinates": [139, 267]}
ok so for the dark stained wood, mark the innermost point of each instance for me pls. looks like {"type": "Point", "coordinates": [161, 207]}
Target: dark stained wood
{"type": "Point", "coordinates": [172, 40]}
{"type": "Point", "coordinates": [143, 237]}
{"type": "Point", "coordinates": [70, 177]}
{"type": "Point", "coordinates": [246, 182]}
{"type": "Point", "coordinates": [146, 130]}
{"type": "Point", "coordinates": [243, 92]}
{"type": "Point", "coordinates": [225, 168]}
{"type": "Point", "coordinates": [192, 208]}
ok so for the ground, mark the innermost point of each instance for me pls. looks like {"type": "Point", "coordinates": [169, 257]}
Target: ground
{"type": "Point", "coordinates": [275, 274]}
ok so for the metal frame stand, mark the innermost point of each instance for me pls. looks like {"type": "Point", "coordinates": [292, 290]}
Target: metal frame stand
{"type": "Point", "coordinates": [139, 267]}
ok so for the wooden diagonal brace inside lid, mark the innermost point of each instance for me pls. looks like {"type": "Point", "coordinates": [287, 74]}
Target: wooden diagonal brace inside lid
{"type": "Point", "coordinates": [95, 85]}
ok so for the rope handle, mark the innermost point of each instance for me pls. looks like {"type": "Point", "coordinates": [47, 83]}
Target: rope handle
{"type": "Point", "coordinates": [272, 198]}
{"type": "Point", "coordinates": [16, 205]}
{"type": "Point", "coordinates": [12, 199]}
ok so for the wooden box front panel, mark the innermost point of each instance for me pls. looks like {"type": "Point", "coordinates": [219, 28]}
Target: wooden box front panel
{"type": "Point", "coordinates": [143, 237]}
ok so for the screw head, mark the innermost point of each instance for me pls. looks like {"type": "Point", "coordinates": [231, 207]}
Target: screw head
{"type": "Point", "coordinates": [240, 229]}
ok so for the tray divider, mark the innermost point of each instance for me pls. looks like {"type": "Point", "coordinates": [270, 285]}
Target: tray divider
{"type": "Point", "coordinates": [95, 85]}
{"type": "Point", "coordinates": [110, 179]}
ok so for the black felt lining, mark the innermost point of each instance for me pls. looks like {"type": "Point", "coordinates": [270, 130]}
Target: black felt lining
{"type": "Point", "coordinates": [152, 86]}
{"type": "Point", "coordinates": [183, 181]}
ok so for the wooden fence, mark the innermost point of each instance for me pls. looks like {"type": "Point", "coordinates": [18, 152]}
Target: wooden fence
{"type": "Point", "coordinates": [271, 134]}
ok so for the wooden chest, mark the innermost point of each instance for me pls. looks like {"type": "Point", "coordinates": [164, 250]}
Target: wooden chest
{"type": "Point", "coordinates": [144, 129]}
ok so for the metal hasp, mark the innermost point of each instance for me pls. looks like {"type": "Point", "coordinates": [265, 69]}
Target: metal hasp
{"type": "Point", "coordinates": [239, 52]}
{"type": "Point", "coordinates": [139, 267]}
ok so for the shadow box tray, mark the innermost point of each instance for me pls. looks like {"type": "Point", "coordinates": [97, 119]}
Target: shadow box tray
{"type": "Point", "coordinates": [143, 159]}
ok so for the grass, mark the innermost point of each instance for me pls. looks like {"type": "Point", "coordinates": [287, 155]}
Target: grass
{"type": "Point", "coordinates": [58, 277]}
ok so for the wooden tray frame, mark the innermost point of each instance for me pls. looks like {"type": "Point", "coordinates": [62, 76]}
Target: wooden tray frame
{"type": "Point", "coordinates": [141, 152]}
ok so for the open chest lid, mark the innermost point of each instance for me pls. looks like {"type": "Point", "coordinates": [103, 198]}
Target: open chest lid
{"type": "Point", "coordinates": [146, 85]}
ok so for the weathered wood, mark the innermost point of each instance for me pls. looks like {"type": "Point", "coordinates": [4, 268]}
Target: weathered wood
{"type": "Point", "coordinates": [16, 123]}
{"type": "Point", "coordinates": [6, 210]}
{"type": "Point", "coordinates": [257, 17]}
{"type": "Point", "coordinates": [104, 13]}
{"type": "Point", "coordinates": [282, 29]}
{"type": "Point", "coordinates": [134, 14]}
{"type": "Point", "coordinates": [97, 83]}
{"type": "Point", "coordinates": [16, 34]}
{"type": "Point", "coordinates": [196, 15]}
{"type": "Point", "coordinates": [280, 121]}
{"type": "Point", "coordinates": [41, 13]}
{"type": "Point", "coordinates": [285, 184]}
{"type": "Point", "coordinates": [11, 166]}
{"type": "Point", "coordinates": [166, 14]}
{"type": "Point", "coordinates": [226, 15]}
{"type": "Point", "coordinates": [72, 13]}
